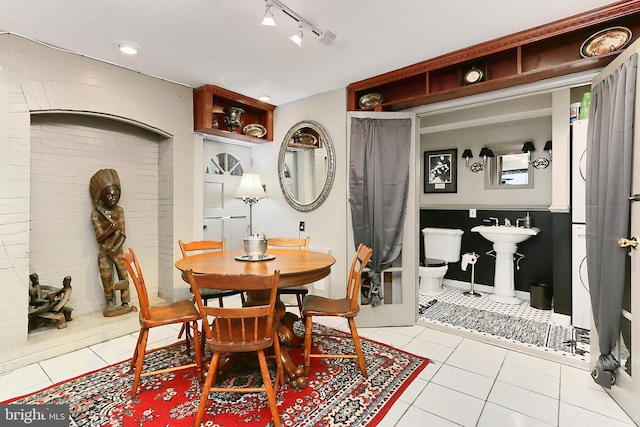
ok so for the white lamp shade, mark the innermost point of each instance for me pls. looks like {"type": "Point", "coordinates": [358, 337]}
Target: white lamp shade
{"type": "Point", "coordinates": [251, 187]}
{"type": "Point", "coordinates": [268, 21]}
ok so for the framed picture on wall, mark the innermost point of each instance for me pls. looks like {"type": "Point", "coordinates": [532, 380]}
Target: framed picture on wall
{"type": "Point", "coordinates": [441, 171]}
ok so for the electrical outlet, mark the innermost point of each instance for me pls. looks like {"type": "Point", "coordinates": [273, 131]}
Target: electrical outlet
{"type": "Point", "coordinates": [472, 213]}
{"type": "Point", "coordinates": [301, 226]}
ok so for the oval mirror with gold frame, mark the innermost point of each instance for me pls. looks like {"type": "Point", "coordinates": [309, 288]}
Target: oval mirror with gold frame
{"type": "Point", "coordinates": [306, 165]}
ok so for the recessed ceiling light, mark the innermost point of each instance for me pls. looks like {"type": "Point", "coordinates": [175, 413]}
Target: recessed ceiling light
{"type": "Point", "coordinates": [264, 98]}
{"type": "Point", "coordinates": [128, 48]}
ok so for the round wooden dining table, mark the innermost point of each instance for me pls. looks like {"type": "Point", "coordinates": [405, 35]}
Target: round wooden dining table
{"type": "Point", "coordinates": [297, 267]}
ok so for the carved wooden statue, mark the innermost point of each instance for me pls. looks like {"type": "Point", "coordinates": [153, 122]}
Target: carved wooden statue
{"type": "Point", "coordinates": [49, 304]}
{"type": "Point", "coordinates": [108, 222]}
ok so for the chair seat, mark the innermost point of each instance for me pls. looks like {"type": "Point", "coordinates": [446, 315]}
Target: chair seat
{"type": "Point", "coordinates": [315, 305]}
{"type": "Point", "coordinates": [180, 311]}
{"type": "Point", "coordinates": [294, 290]}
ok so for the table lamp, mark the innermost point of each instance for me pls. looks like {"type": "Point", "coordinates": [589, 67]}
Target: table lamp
{"type": "Point", "coordinates": [250, 191]}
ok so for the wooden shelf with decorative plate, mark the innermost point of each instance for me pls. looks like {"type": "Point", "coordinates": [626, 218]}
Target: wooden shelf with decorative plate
{"type": "Point", "coordinates": [209, 101]}
{"type": "Point", "coordinates": [542, 52]}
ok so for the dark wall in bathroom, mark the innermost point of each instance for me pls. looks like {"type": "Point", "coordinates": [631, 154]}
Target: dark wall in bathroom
{"type": "Point", "coordinates": [562, 263]}
{"type": "Point", "coordinates": [546, 257]}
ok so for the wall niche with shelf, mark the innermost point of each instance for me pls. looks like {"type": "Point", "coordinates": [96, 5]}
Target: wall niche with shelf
{"type": "Point", "coordinates": [543, 52]}
{"type": "Point", "coordinates": [209, 102]}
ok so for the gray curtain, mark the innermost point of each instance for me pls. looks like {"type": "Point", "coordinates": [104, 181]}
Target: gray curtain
{"type": "Point", "coordinates": [609, 167]}
{"type": "Point", "coordinates": [378, 189]}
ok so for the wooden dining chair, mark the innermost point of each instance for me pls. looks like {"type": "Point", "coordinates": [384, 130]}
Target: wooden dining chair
{"type": "Point", "coordinates": [299, 291]}
{"type": "Point", "coordinates": [240, 330]}
{"type": "Point", "coordinates": [188, 248]}
{"type": "Point", "coordinates": [184, 312]}
{"type": "Point", "coordinates": [347, 307]}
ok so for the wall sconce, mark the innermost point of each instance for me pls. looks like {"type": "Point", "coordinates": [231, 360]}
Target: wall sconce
{"type": "Point", "coordinates": [547, 147]}
{"type": "Point", "coordinates": [467, 154]}
{"type": "Point", "coordinates": [486, 152]}
{"type": "Point", "coordinates": [475, 167]}
{"type": "Point", "coordinates": [541, 162]}
{"type": "Point", "coordinates": [528, 147]}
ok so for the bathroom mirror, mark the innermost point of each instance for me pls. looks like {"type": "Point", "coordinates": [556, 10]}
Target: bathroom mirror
{"type": "Point", "coordinates": [306, 165]}
{"type": "Point", "coordinates": [510, 168]}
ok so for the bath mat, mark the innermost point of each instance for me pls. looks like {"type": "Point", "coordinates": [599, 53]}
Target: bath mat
{"type": "Point", "coordinates": [565, 340]}
{"type": "Point", "coordinates": [501, 325]}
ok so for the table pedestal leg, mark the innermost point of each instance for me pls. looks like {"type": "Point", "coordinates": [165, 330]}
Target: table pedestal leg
{"type": "Point", "coordinates": [294, 375]}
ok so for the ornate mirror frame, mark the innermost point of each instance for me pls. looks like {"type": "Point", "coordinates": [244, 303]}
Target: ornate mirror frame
{"type": "Point", "coordinates": [326, 142]}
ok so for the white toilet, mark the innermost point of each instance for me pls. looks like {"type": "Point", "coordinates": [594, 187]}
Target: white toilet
{"type": "Point", "coordinates": [441, 246]}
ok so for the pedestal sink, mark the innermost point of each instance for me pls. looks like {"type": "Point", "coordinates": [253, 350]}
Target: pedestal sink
{"type": "Point", "coordinates": [505, 242]}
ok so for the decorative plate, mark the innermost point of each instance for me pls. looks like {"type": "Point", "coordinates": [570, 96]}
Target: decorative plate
{"type": "Point", "coordinates": [254, 130]}
{"type": "Point", "coordinates": [308, 139]}
{"type": "Point", "coordinates": [265, 257]}
{"type": "Point", "coordinates": [605, 41]}
{"type": "Point", "coordinates": [370, 100]}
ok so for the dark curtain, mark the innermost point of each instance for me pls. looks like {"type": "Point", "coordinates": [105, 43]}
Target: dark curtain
{"type": "Point", "coordinates": [609, 167]}
{"type": "Point", "coordinates": [378, 190]}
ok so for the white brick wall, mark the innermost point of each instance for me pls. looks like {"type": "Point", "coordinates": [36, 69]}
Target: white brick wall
{"type": "Point", "coordinates": [60, 158]}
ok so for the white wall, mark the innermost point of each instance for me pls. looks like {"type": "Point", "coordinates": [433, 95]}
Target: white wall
{"type": "Point", "coordinates": [512, 121]}
{"type": "Point", "coordinates": [326, 225]}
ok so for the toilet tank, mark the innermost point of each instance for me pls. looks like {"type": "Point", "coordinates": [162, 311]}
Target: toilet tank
{"type": "Point", "coordinates": [442, 243]}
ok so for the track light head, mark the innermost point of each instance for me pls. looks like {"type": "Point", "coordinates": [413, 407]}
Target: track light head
{"type": "Point", "coordinates": [297, 37]}
{"type": "Point", "coordinates": [268, 17]}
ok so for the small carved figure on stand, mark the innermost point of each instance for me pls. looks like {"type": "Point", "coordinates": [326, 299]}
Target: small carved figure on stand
{"type": "Point", "coordinates": [48, 304]}
{"type": "Point", "coordinates": [108, 222]}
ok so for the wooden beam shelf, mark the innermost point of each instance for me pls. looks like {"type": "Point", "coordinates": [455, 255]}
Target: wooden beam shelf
{"type": "Point", "coordinates": [539, 53]}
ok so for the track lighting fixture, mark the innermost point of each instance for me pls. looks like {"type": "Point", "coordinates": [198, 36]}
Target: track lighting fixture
{"type": "Point", "coordinates": [324, 36]}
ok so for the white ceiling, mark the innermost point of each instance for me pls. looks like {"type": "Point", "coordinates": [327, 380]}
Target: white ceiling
{"type": "Point", "coordinates": [221, 42]}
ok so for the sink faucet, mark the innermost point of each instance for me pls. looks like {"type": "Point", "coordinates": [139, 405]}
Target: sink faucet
{"type": "Point", "coordinates": [491, 219]}
{"type": "Point", "coordinates": [507, 222]}
{"type": "Point", "coordinates": [518, 221]}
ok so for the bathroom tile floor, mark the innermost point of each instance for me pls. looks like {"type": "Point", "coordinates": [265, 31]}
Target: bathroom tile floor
{"type": "Point", "coordinates": [455, 295]}
{"type": "Point", "coordinates": [561, 342]}
{"type": "Point", "coordinates": [468, 382]}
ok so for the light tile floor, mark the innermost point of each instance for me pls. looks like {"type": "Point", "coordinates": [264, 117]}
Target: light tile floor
{"type": "Point", "coordinates": [468, 382]}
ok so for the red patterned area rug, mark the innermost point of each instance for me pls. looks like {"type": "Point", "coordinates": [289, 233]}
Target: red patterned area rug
{"type": "Point", "coordinates": [337, 395]}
